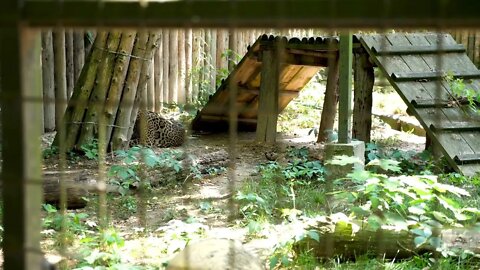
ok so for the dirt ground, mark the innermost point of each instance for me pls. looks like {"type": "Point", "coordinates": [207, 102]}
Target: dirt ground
{"type": "Point", "coordinates": [205, 205]}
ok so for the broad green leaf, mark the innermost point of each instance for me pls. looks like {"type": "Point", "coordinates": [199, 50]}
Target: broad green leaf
{"type": "Point", "coordinates": [273, 262]}
{"type": "Point", "coordinates": [374, 222]}
{"type": "Point", "coordinates": [386, 164]}
{"type": "Point", "coordinates": [448, 203]}
{"type": "Point", "coordinates": [461, 217]}
{"type": "Point", "coordinates": [416, 210]}
{"type": "Point", "coordinates": [314, 235]}
{"type": "Point", "coordinates": [435, 242]}
{"type": "Point", "coordinates": [419, 240]}
{"type": "Point", "coordinates": [441, 217]}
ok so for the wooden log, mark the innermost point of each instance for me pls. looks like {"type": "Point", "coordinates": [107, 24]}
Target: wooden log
{"type": "Point", "coordinates": [76, 184]}
{"type": "Point", "coordinates": [173, 67]}
{"type": "Point", "coordinates": [330, 100]}
{"type": "Point", "coordinates": [268, 97]}
{"type": "Point", "coordinates": [78, 102]}
{"type": "Point", "coordinates": [150, 93]}
{"type": "Point", "coordinates": [78, 53]}
{"type": "Point", "coordinates": [338, 240]}
{"type": "Point", "coordinates": [363, 80]}
{"type": "Point", "coordinates": [118, 80]}
{"type": "Point", "coordinates": [61, 97]}
{"type": "Point", "coordinates": [188, 65]}
{"type": "Point", "coordinates": [232, 46]}
{"type": "Point", "coordinates": [48, 81]}
{"type": "Point", "coordinates": [166, 72]}
{"type": "Point", "coordinates": [158, 74]}
{"type": "Point", "coordinates": [213, 59]}
{"type": "Point", "coordinates": [153, 39]}
{"type": "Point", "coordinates": [70, 73]}
{"type": "Point", "coordinates": [222, 43]}
{"type": "Point", "coordinates": [120, 135]}
{"type": "Point", "coordinates": [99, 94]}
{"type": "Point", "coordinates": [181, 67]}
{"type": "Point", "coordinates": [196, 57]}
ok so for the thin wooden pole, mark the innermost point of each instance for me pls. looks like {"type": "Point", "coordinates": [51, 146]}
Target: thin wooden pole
{"type": "Point", "coordinates": [48, 81]}
{"type": "Point", "coordinates": [345, 89]}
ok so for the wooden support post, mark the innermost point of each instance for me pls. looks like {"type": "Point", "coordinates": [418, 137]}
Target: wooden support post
{"type": "Point", "coordinates": [21, 168]}
{"type": "Point", "coordinates": [330, 100]}
{"type": "Point", "coordinates": [345, 86]}
{"type": "Point", "coordinates": [268, 97]}
{"type": "Point", "coordinates": [363, 87]}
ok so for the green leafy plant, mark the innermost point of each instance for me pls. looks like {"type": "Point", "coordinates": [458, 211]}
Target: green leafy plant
{"type": "Point", "coordinates": [462, 94]}
{"type": "Point", "coordinates": [416, 203]}
{"type": "Point", "coordinates": [409, 162]}
{"type": "Point", "coordinates": [90, 149]}
{"type": "Point", "coordinates": [50, 152]}
{"type": "Point", "coordinates": [102, 250]}
{"type": "Point", "coordinates": [126, 174]}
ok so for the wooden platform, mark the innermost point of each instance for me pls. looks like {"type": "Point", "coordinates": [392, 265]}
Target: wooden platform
{"type": "Point", "coordinates": [415, 65]}
{"type": "Point", "coordinates": [300, 62]}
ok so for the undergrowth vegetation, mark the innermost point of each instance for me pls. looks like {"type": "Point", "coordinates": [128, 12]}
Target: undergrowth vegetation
{"type": "Point", "coordinates": [405, 190]}
{"type": "Point", "coordinates": [381, 196]}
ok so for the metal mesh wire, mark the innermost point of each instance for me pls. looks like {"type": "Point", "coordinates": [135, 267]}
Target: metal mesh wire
{"type": "Point", "coordinates": [126, 203]}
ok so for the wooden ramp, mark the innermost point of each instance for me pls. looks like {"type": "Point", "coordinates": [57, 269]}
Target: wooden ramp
{"type": "Point", "coordinates": [302, 60]}
{"type": "Point", "coordinates": [415, 65]}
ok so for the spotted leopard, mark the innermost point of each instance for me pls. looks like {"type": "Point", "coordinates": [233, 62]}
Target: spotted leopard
{"type": "Point", "coordinates": [161, 132]}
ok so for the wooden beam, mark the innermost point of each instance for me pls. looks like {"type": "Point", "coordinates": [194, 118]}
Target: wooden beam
{"type": "Point", "coordinates": [434, 75]}
{"type": "Point", "coordinates": [363, 80]}
{"type": "Point", "coordinates": [345, 89]}
{"type": "Point", "coordinates": [21, 96]}
{"type": "Point", "coordinates": [330, 101]}
{"type": "Point", "coordinates": [268, 97]}
{"type": "Point", "coordinates": [257, 91]}
{"type": "Point", "coordinates": [299, 59]}
{"type": "Point", "coordinates": [252, 13]}
{"type": "Point", "coordinates": [433, 49]}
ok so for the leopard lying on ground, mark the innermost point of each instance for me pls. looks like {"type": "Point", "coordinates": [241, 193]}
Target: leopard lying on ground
{"type": "Point", "coordinates": [160, 132]}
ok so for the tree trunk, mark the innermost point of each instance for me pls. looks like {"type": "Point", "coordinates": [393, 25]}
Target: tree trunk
{"type": "Point", "coordinates": [330, 101]}
{"type": "Point", "coordinates": [338, 240]}
{"type": "Point", "coordinates": [60, 75]}
{"type": "Point", "coordinates": [173, 67]}
{"type": "Point", "coordinates": [48, 81]}
{"type": "Point", "coordinates": [70, 73]}
{"type": "Point", "coordinates": [78, 53]}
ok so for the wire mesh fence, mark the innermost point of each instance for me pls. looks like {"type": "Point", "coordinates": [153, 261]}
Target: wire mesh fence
{"type": "Point", "coordinates": [221, 148]}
